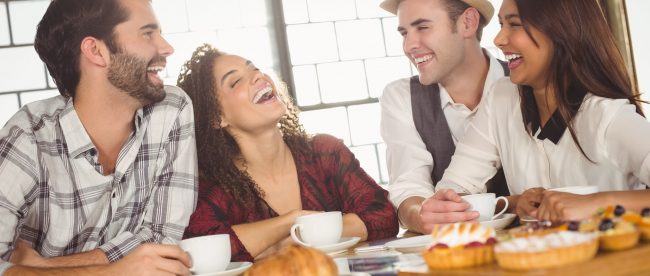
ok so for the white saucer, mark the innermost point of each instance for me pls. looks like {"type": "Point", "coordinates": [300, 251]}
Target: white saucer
{"type": "Point", "coordinates": [344, 243]}
{"type": "Point", "coordinates": [233, 268]}
{"type": "Point", "coordinates": [410, 245]}
{"type": "Point", "coordinates": [500, 222]}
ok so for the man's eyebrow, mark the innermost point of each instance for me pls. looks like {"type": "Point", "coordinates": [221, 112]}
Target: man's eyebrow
{"type": "Point", "coordinates": [414, 23]}
{"type": "Point", "coordinates": [419, 21]}
{"type": "Point", "coordinates": [152, 26]}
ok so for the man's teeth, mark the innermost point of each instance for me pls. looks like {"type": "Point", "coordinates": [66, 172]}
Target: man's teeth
{"type": "Point", "coordinates": [262, 93]}
{"type": "Point", "coordinates": [155, 69]}
{"type": "Point", "coordinates": [423, 58]}
{"type": "Point", "coordinates": [511, 57]}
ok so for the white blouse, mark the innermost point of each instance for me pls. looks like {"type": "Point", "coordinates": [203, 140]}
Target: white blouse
{"type": "Point", "coordinates": [611, 133]}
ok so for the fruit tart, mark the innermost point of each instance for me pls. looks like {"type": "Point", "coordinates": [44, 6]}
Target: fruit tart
{"type": "Point", "coordinates": [460, 245]}
{"type": "Point", "coordinates": [644, 224]}
{"type": "Point", "coordinates": [546, 251]}
{"type": "Point", "coordinates": [536, 228]}
{"type": "Point", "coordinates": [617, 229]}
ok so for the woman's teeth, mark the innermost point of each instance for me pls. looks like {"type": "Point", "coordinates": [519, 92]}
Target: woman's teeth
{"type": "Point", "coordinates": [263, 93]}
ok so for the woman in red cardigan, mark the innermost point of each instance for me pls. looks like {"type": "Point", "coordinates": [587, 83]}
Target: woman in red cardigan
{"type": "Point", "coordinates": [259, 170]}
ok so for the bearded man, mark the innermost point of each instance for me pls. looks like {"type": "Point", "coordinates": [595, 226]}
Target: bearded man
{"type": "Point", "coordinates": [101, 179]}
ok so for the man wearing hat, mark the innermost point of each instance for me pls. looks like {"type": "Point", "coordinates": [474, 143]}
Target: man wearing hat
{"type": "Point", "coordinates": [423, 117]}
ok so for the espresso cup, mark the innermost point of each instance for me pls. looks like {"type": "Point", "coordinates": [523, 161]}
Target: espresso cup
{"type": "Point", "coordinates": [318, 229]}
{"type": "Point", "coordinates": [209, 254]}
{"type": "Point", "coordinates": [485, 204]}
{"type": "Point", "coordinates": [579, 190]}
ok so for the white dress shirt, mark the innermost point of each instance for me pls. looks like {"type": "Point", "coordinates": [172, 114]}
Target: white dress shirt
{"type": "Point", "coordinates": [610, 132]}
{"type": "Point", "coordinates": [409, 163]}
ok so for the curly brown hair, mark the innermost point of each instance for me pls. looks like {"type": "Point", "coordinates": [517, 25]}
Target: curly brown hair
{"type": "Point", "coordinates": [218, 151]}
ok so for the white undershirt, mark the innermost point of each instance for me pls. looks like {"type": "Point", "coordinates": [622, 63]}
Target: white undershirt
{"type": "Point", "coordinates": [610, 132]}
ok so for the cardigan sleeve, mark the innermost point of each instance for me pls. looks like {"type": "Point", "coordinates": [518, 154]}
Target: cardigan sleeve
{"type": "Point", "coordinates": [359, 193]}
{"type": "Point", "coordinates": [213, 215]}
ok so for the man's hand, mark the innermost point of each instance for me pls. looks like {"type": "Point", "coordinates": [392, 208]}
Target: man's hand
{"type": "Point", "coordinates": [445, 206]}
{"type": "Point", "coordinates": [559, 206]}
{"type": "Point", "coordinates": [23, 254]}
{"type": "Point", "coordinates": [529, 201]}
{"type": "Point", "coordinates": [154, 259]}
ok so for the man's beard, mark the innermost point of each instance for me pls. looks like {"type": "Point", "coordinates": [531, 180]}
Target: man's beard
{"type": "Point", "coordinates": [129, 73]}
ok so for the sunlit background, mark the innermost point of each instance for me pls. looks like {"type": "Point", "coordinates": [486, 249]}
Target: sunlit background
{"type": "Point", "coordinates": [335, 55]}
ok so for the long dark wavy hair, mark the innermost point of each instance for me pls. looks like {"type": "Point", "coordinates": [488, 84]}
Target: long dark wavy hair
{"type": "Point", "coordinates": [585, 56]}
{"type": "Point", "coordinates": [218, 151]}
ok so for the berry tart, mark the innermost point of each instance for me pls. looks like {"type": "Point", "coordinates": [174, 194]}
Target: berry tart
{"type": "Point", "coordinates": [460, 245]}
{"type": "Point", "coordinates": [644, 224]}
{"type": "Point", "coordinates": [617, 229]}
{"type": "Point", "coordinates": [546, 251]}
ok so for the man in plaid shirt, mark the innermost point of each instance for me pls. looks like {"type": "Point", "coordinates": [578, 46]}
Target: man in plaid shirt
{"type": "Point", "coordinates": [102, 179]}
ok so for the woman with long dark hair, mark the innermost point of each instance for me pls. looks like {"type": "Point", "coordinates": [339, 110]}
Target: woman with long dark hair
{"type": "Point", "coordinates": [566, 116]}
{"type": "Point", "coordinates": [258, 168]}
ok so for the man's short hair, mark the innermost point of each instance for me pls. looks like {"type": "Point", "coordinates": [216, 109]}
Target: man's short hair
{"type": "Point", "coordinates": [455, 8]}
{"type": "Point", "coordinates": [60, 32]}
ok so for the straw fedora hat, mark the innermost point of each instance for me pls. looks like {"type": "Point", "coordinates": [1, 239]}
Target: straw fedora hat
{"type": "Point", "coordinates": [484, 7]}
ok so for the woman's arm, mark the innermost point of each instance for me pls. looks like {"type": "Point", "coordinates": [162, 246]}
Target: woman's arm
{"type": "Point", "coordinates": [626, 143]}
{"type": "Point", "coordinates": [558, 206]}
{"type": "Point", "coordinates": [476, 158]}
{"type": "Point", "coordinates": [367, 211]}
{"type": "Point", "coordinates": [261, 235]}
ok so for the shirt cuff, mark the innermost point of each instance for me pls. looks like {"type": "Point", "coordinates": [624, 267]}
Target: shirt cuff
{"type": "Point", "coordinates": [120, 246]}
{"type": "Point", "coordinates": [448, 185]}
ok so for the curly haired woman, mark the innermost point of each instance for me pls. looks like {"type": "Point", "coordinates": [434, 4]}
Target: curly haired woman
{"type": "Point", "coordinates": [258, 168]}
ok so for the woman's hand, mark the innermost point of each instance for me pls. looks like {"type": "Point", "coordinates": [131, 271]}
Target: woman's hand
{"type": "Point", "coordinates": [559, 206]}
{"type": "Point", "coordinates": [528, 202]}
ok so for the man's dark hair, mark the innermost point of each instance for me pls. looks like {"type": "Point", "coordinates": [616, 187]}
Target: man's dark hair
{"type": "Point", "coordinates": [455, 8]}
{"type": "Point", "coordinates": [65, 24]}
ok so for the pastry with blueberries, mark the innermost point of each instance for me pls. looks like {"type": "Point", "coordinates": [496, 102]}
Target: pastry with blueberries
{"type": "Point", "coordinates": [460, 245]}
{"type": "Point", "coordinates": [644, 224]}
{"type": "Point", "coordinates": [617, 228]}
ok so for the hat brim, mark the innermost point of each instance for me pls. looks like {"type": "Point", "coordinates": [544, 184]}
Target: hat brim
{"type": "Point", "coordinates": [484, 7]}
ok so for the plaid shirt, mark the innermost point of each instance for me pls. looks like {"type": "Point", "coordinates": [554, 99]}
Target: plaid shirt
{"type": "Point", "coordinates": [53, 193]}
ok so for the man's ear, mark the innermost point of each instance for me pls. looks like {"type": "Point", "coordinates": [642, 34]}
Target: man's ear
{"type": "Point", "coordinates": [469, 21]}
{"type": "Point", "coordinates": [95, 51]}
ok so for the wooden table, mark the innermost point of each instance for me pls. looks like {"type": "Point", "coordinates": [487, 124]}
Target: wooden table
{"type": "Point", "coordinates": [635, 261]}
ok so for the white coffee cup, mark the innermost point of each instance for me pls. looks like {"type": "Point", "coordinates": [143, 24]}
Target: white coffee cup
{"type": "Point", "coordinates": [318, 229]}
{"type": "Point", "coordinates": [579, 190]}
{"type": "Point", "coordinates": [209, 253]}
{"type": "Point", "coordinates": [485, 204]}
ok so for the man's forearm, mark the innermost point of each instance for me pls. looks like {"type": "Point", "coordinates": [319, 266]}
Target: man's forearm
{"type": "Point", "coordinates": [409, 213]}
{"type": "Point", "coordinates": [38, 271]}
{"type": "Point", "coordinates": [93, 257]}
